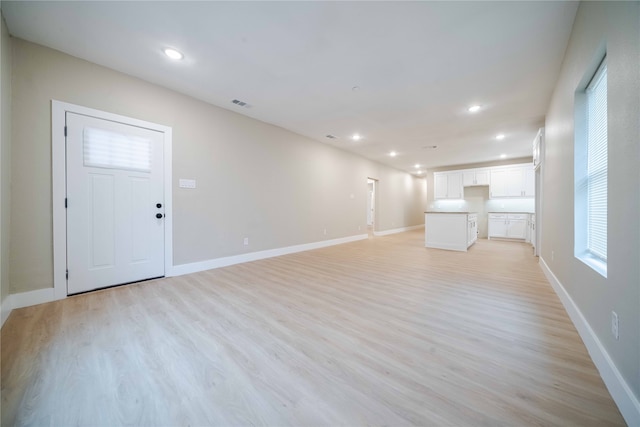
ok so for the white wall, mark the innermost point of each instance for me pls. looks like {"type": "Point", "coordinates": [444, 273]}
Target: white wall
{"type": "Point", "coordinates": [253, 179]}
{"type": "Point", "coordinates": [614, 27]}
{"type": "Point", "coordinates": [5, 157]}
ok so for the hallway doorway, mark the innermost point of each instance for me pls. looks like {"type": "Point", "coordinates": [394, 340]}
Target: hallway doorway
{"type": "Point", "coordinates": [372, 185]}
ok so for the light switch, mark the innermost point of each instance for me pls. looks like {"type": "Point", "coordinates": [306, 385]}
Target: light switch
{"type": "Point", "coordinates": [187, 183]}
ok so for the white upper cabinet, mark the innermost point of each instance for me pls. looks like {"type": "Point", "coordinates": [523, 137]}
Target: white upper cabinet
{"type": "Point", "coordinates": [512, 181]}
{"type": "Point", "coordinates": [529, 182]}
{"type": "Point", "coordinates": [474, 177]}
{"type": "Point", "coordinates": [498, 186]}
{"type": "Point", "coordinates": [504, 181]}
{"type": "Point", "coordinates": [447, 185]}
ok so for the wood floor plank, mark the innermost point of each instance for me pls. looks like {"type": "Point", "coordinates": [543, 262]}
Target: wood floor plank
{"type": "Point", "coordinates": [376, 332]}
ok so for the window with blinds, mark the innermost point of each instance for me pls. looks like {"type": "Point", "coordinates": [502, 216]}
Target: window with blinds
{"type": "Point", "coordinates": [597, 164]}
{"type": "Point", "coordinates": [590, 168]}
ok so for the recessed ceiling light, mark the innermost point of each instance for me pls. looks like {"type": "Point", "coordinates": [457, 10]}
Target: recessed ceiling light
{"type": "Point", "coordinates": [393, 153]}
{"type": "Point", "coordinates": [500, 136]}
{"type": "Point", "coordinates": [356, 137]}
{"type": "Point", "coordinates": [503, 156]}
{"type": "Point", "coordinates": [474, 109]}
{"type": "Point", "coordinates": [417, 166]}
{"type": "Point", "coordinates": [419, 172]}
{"type": "Point", "coordinates": [173, 54]}
{"type": "Point", "coordinates": [355, 88]}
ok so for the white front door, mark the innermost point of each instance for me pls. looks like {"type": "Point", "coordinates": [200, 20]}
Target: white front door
{"type": "Point", "coordinates": [115, 203]}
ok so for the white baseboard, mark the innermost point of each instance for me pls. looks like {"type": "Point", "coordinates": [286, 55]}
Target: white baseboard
{"type": "Point", "coordinates": [179, 270]}
{"type": "Point", "coordinates": [621, 393]}
{"type": "Point", "coordinates": [7, 306]}
{"type": "Point", "coordinates": [397, 230]}
{"type": "Point", "coordinates": [25, 299]}
{"type": "Point", "coordinates": [40, 296]}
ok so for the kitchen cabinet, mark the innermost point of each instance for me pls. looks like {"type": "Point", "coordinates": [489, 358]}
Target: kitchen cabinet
{"type": "Point", "coordinates": [497, 225]}
{"type": "Point", "coordinates": [472, 225]}
{"type": "Point", "coordinates": [529, 183]}
{"type": "Point", "coordinates": [508, 225]}
{"type": "Point", "coordinates": [513, 181]}
{"type": "Point", "coordinates": [473, 177]}
{"type": "Point", "coordinates": [447, 185]}
{"type": "Point", "coordinates": [516, 181]}
{"type": "Point", "coordinates": [454, 231]}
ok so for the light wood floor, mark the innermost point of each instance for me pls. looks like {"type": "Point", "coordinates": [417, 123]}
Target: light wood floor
{"type": "Point", "coordinates": [376, 332]}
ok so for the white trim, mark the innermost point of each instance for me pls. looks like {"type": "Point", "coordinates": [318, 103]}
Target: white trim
{"type": "Point", "coordinates": [58, 167]}
{"type": "Point", "coordinates": [7, 307]}
{"type": "Point", "coordinates": [27, 299]}
{"type": "Point", "coordinates": [627, 402]}
{"type": "Point", "coordinates": [397, 230]}
{"type": "Point", "coordinates": [195, 267]}
{"type": "Point", "coordinates": [40, 296]}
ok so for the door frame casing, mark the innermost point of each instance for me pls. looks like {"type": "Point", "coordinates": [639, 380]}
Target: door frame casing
{"type": "Point", "coordinates": [59, 187]}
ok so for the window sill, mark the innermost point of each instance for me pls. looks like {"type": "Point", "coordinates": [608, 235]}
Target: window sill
{"type": "Point", "coordinates": [595, 263]}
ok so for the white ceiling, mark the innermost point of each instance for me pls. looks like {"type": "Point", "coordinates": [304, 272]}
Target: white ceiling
{"type": "Point", "coordinates": [419, 65]}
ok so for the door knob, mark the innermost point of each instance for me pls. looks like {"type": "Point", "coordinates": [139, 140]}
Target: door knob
{"type": "Point", "coordinates": [158, 205]}
{"type": "Point", "coordinates": [159, 215]}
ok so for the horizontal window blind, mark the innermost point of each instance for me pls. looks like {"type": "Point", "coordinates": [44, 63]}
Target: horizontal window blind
{"type": "Point", "coordinates": [597, 164]}
{"type": "Point", "coordinates": [106, 149]}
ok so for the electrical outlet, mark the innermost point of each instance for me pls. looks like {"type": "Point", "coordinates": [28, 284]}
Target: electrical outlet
{"type": "Point", "coordinates": [614, 324]}
{"type": "Point", "coordinates": [246, 241]}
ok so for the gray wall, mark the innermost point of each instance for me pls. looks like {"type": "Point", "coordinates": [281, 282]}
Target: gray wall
{"type": "Point", "coordinates": [5, 157]}
{"type": "Point", "coordinates": [253, 179]}
{"type": "Point", "coordinates": [616, 27]}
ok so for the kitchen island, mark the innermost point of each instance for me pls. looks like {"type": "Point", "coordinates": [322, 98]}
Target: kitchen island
{"type": "Point", "coordinates": [454, 231]}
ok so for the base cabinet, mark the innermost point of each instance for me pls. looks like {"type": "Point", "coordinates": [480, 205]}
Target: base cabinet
{"type": "Point", "coordinates": [472, 232]}
{"type": "Point", "coordinates": [452, 231]}
{"type": "Point", "coordinates": [508, 226]}
{"type": "Point", "coordinates": [497, 225]}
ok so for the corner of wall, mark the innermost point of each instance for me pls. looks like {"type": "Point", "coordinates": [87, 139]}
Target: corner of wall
{"type": "Point", "coordinates": [5, 164]}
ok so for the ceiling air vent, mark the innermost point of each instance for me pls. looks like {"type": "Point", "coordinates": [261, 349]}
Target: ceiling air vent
{"type": "Point", "coordinates": [331, 136]}
{"type": "Point", "coordinates": [429, 147]}
{"type": "Point", "coordinates": [241, 103]}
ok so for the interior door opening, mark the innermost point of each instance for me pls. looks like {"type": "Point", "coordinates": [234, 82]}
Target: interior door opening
{"type": "Point", "coordinates": [372, 185]}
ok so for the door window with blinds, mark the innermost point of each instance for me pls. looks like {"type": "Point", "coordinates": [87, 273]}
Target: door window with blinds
{"type": "Point", "coordinates": [112, 150]}
{"type": "Point", "coordinates": [591, 173]}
